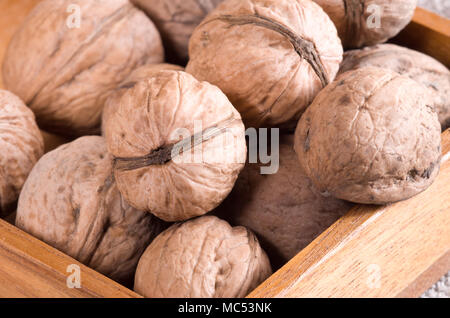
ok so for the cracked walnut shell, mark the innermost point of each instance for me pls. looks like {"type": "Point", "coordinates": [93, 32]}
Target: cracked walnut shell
{"type": "Point", "coordinates": [64, 72]}
{"type": "Point", "coordinates": [356, 20]}
{"type": "Point", "coordinates": [71, 202]}
{"type": "Point", "coordinates": [370, 137]}
{"type": "Point", "coordinates": [21, 146]}
{"type": "Point", "coordinates": [418, 66]}
{"type": "Point", "coordinates": [270, 57]}
{"type": "Point", "coordinates": [204, 257]}
{"type": "Point", "coordinates": [178, 144]}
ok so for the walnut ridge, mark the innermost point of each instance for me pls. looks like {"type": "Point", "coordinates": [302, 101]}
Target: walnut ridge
{"type": "Point", "coordinates": [418, 66]}
{"type": "Point", "coordinates": [370, 137]}
{"type": "Point", "coordinates": [143, 132]}
{"type": "Point", "coordinates": [269, 57]}
{"type": "Point", "coordinates": [204, 257]}
{"type": "Point", "coordinates": [21, 146]}
{"type": "Point", "coordinates": [64, 74]}
{"type": "Point", "coordinates": [71, 202]}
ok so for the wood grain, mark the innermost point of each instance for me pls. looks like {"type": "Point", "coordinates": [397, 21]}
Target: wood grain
{"type": "Point", "coordinates": [429, 277]}
{"type": "Point", "coordinates": [30, 268]}
{"type": "Point", "coordinates": [374, 251]}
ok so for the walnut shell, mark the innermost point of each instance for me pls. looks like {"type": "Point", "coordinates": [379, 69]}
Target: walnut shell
{"type": "Point", "coordinates": [204, 257]}
{"type": "Point", "coordinates": [418, 66]}
{"type": "Point", "coordinates": [370, 137]}
{"type": "Point", "coordinates": [64, 73]}
{"type": "Point", "coordinates": [71, 202]}
{"type": "Point", "coordinates": [354, 19]}
{"type": "Point", "coordinates": [148, 70]}
{"type": "Point", "coordinates": [283, 209]}
{"type": "Point", "coordinates": [155, 116]}
{"type": "Point", "coordinates": [21, 146]}
{"type": "Point", "coordinates": [176, 20]}
{"type": "Point", "coordinates": [270, 57]}
{"type": "Point", "coordinates": [139, 74]}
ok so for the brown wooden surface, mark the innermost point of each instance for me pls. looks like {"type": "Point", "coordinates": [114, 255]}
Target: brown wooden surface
{"type": "Point", "coordinates": [408, 241]}
{"type": "Point", "coordinates": [30, 268]}
{"type": "Point", "coordinates": [403, 240]}
{"type": "Point", "coordinates": [428, 278]}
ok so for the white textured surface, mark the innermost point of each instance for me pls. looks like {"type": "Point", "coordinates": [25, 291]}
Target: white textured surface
{"type": "Point", "coordinates": [442, 288]}
{"type": "Point", "coordinates": [441, 7]}
{"type": "Point", "coordinates": [439, 290]}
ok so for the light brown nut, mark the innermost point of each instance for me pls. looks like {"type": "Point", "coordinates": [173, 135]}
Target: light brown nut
{"type": "Point", "coordinates": [141, 73]}
{"type": "Point", "coordinates": [204, 257]}
{"type": "Point", "coordinates": [21, 146]}
{"type": "Point", "coordinates": [283, 209]}
{"type": "Point", "coordinates": [356, 20]}
{"type": "Point", "coordinates": [418, 66]}
{"type": "Point", "coordinates": [270, 57]}
{"type": "Point", "coordinates": [370, 137]}
{"type": "Point", "coordinates": [176, 20]}
{"type": "Point", "coordinates": [71, 202]}
{"type": "Point", "coordinates": [154, 117]}
{"type": "Point", "coordinates": [64, 73]}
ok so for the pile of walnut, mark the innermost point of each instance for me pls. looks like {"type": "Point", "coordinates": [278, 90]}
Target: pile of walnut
{"type": "Point", "coordinates": [367, 122]}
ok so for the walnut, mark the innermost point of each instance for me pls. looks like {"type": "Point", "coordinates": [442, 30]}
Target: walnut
{"type": "Point", "coordinates": [178, 144]}
{"type": "Point", "coordinates": [21, 146]}
{"type": "Point", "coordinates": [204, 257]}
{"type": "Point", "coordinates": [356, 20]}
{"type": "Point", "coordinates": [283, 209]}
{"type": "Point", "coordinates": [146, 71]}
{"type": "Point", "coordinates": [71, 202]}
{"type": "Point", "coordinates": [176, 20]}
{"type": "Point", "coordinates": [270, 57]}
{"type": "Point", "coordinates": [64, 73]}
{"type": "Point", "coordinates": [418, 66]}
{"type": "Point", "coordinates": [370, 137]}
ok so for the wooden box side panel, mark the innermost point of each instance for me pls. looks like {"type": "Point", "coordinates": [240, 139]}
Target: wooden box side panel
{"type": "Point", "coordinates": [30, 268]}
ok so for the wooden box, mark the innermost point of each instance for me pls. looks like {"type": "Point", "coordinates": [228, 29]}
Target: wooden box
{"type": "Point", "coordinates": [390, 251]}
